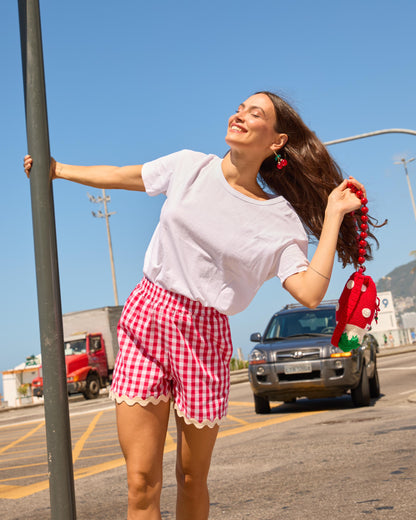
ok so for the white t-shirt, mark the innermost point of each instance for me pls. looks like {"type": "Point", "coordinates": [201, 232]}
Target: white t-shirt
{"type": "Point", "coordinates": [214, 244]}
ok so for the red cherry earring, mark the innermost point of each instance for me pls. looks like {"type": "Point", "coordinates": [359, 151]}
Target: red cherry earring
{"type": "Point", "coordinates": [280, 162]}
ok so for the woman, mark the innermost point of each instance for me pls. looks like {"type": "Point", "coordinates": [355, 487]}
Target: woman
{"type": "Point", "coordinates": [227, 226]}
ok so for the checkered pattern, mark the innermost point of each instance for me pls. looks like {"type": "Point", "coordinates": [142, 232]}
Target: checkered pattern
{"type": "Point", "coordinates": [171, 346]}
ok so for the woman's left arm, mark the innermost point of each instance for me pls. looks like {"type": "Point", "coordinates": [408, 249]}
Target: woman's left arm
{"type": "Point", "coordinates": [309, 287]}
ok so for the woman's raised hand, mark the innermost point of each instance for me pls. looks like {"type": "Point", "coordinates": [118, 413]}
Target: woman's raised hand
{"type": "Point", "coordinates": [342, 200]}
{"type": "Point", "coordinates": [27, 165]}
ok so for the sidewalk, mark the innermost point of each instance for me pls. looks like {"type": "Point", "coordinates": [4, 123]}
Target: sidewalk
{"type": "Point", "coordinates": [391, 351]}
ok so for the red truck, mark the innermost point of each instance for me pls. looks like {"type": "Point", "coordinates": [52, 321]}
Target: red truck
{"type": "Point", "coordinates": [90, 340]}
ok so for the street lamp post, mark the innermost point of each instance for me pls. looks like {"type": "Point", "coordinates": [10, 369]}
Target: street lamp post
{"type": "Point", "coordinates": [380, 132]}
{"type": "Point", "coordinates": [104, 199]}
{"type": "Point", "coordinates": [405, 162]}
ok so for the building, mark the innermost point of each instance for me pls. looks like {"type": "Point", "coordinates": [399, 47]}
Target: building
{"type": "Point", "coordinates": [409, 320]}
{"type": "Point", "coordinates": [409, 323]}
{"type": "Point", "coordinates": [17, 383]}
{"type": "Point", "coordinates": [385, 329]}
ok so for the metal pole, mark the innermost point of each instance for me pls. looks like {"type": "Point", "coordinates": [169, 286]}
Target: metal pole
{"type": "Point", "coordinates": [113, 273]}
{"type": "Point", "coordinates": [58, 435]}
{"type": "Point", "coordinates": [380, 132]}
{"type": "Point", "coordinates": [405, 163]}
{"type": "Point", "coordinates": [371, 134]}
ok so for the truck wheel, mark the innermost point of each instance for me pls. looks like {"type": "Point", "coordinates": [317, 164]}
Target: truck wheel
{"type": "Point", "coordinates": [361, 394]}
{"type": "Point", "coordinates": [93, 387]}
{"type": "Point", "coordinates": [375, 384]}
{"type": "Point", "coordinates": [261, 404]}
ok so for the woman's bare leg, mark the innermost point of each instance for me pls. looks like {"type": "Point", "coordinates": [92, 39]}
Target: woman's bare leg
{"type": "Point", "coordinates": [142, 433]}
{"type": "Point", "coordinates": [194, 453]}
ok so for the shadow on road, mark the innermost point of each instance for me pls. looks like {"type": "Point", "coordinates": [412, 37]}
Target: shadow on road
{"type": "Point", "coordinates": [317, 405]}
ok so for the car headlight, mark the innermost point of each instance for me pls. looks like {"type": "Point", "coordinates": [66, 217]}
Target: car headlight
{"type": "Point", "coordinates": [257, 357]}
{"type": "Point", "coordinates": [336, 352]}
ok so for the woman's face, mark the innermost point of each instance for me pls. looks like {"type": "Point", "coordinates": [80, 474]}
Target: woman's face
{"type": "Point", "coordinates": [252, 127]}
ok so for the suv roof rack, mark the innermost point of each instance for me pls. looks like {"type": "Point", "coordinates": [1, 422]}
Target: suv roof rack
{"type": "Point", "coordinates": [295, 305]}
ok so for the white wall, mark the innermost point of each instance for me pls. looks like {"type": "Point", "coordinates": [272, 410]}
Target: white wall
{"type": "Point", "coordinates": [12, 379]}
{"type": "Point", "coordinates": [387, 315]}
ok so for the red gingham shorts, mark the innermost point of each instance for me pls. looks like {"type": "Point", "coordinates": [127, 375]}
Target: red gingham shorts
{"type": "Point", "coordinates": [173, 348]}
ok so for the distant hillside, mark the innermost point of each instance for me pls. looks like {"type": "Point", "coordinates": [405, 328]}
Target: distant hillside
{"type": "Point", "coordinates": [401, 281]}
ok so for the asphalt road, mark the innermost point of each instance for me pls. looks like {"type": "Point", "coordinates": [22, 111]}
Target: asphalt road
{"type": "Point", "coordinates": [321, 459]}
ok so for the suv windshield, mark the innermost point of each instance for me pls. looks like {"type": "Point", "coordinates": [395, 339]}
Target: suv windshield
{"type": "Point", "coordinates": [78, 346]}
{"type": "Point", "coordinates": [300, 323]}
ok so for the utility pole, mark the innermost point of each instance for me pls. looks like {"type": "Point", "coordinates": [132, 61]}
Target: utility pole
{"type": "Point", "coordinates": [98, 200]}
{"type": "Point", "coordinates": [405, 162]}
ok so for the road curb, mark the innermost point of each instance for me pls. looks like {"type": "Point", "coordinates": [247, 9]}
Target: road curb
{"type": "Point", "coordinates": [386, 351]}
{"type": "Point", "coordinates": [239, 376]}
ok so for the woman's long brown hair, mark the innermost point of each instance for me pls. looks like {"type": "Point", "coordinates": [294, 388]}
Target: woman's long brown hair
{"type": "Point", "coordinates": [307, 180]}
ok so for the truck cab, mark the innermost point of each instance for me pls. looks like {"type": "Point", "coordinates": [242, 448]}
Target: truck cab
{"type": "Point", "coordinates": [91, 346]}
{"type": "Point", "coordinates": [86, 366]}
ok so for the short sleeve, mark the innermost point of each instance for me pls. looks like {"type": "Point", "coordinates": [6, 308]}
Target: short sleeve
{"type": "Point", "coordinates": [293, 259]}
{"type": "Point", "coordinates": [157, 175]}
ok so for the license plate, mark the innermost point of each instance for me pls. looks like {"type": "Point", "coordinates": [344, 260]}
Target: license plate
{"type": "Point", "coordinates": [298, 368]}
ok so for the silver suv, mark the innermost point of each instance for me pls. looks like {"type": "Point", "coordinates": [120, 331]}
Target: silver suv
{"type": "Point", "coordinates": [294, 358]}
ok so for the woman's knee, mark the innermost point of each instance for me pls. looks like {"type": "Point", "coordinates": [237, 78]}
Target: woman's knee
{"type": "Point", "coordinates": [143, 489]}
{"type": "Point", "coordinates": [191, 480]}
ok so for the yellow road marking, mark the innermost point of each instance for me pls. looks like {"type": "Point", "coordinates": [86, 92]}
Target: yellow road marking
{"type": "Point", "coordinates": [24, 476]}
{"type": "Point", "coordinates": [86, 457]}
{"type": "Point", "coordinates": [260, 424]}
{"type": "Point", "coordinates": [15, 492]}
{"type": "Point", "coordinates": [102, 447]}
{"type": "Point", "coordinates": [21, 439]}
{"type": "Point", "coordinates": [27, 451]}
{"type": "Point", "coordinates": [240, 403]}
{"type": "Point", "coordinates": [24, 466]}
{"type": "Point", "coordinates": [236, 419]}
{"type": "Point", "coordinates": [18, 425]}
{"type": "Point", "coordinates": [84, 437]}
{"type": "Point", "coordinates": [169, 441]}
{"type": "Point", "coordinates": [4, 458]}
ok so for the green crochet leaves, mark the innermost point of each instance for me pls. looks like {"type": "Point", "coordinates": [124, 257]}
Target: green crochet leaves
{"type": "Point", "coordinates": [347, 344]}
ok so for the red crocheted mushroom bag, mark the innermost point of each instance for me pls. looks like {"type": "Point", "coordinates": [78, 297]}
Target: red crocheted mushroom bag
{"type": "Point", "coordinates": [356, 309]}
{"type": "Point", "coordinates": [358, 304]}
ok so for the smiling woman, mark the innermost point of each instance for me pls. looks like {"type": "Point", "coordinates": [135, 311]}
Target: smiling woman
{"type": "Point", "coordinates": [226, 226]}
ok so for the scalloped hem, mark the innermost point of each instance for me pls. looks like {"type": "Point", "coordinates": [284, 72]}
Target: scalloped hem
{"type": "Point", "coordinates": [138, 400]}
{"type": "Point", "coordinates": [194, 422]}
{"type": "Point", "coordinates": [164, 398]}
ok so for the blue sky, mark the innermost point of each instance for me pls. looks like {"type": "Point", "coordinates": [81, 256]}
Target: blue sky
{"type": "Point", "coordinates": [130, 81]}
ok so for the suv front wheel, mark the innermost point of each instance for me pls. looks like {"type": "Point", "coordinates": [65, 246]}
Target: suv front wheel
{"type": "Point", "coordinates": [261, 405]}
{"type": "Point", "coordinates": [375, 384]}
{"type": "Point", "coordinates": [361, 394]}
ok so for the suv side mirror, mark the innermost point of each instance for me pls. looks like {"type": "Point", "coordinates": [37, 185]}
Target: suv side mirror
{"type": "Point", "coordinates": [255, 337]}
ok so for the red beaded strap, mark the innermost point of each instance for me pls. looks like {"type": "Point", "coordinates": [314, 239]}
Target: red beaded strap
{"type": "Point", "coordinates": [361, 226]}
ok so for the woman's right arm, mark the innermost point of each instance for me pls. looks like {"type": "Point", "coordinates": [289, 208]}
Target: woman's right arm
{"type": "Point", "coordinates": [100, 176]}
